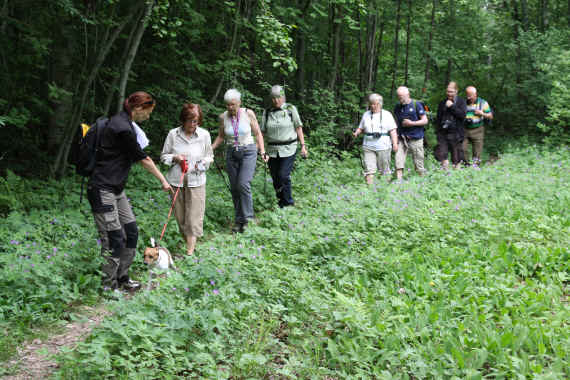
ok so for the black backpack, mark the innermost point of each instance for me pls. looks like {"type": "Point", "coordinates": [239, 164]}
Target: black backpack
{"type": "Point", "coordinates": [86, 146]}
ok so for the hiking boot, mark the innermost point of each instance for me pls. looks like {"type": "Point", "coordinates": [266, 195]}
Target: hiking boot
{"type": "Point", "coordinates": [127, 256]}
{"type": "Point", "coordinates": [130, 285]}
{"type": "Point", "coordinates": [109, 270]}
{"type": "Point", "coordinates": [237, 228]}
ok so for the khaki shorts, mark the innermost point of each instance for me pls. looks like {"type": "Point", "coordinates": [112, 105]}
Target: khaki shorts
{"type": "Point", "coordinates": [416, 147]}
{"type": "Point", "coordinates": [189, 210]}
{"type": "Point", "coordinates": [376, 160]}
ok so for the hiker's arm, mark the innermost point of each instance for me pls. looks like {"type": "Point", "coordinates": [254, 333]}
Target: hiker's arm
{"type": "Point", "coordinates": [360, 127]}
{"type": "Point", "coordinates": [301, 139]}
{"type": "Point", "coordinates": [167, 157]}
{"type": "Point", "coordinates": [485, 112]}
{"type": "Point", "coordinates": [488, 115]}
{"type": "Point", "coordinates": [149, 165]}
{"type": "Point", "coordinates": [459, 109]}
{"type": "Point", "coordinates": [258, 136]}
{"type": "Point", "coordinates": [208, 152]}
{"type": "Point", "coordinates": [220, 138]}
{"type": "Point", "coordinates": [394, 137]}
{"type": "Point", "coordinates": [418, 123]}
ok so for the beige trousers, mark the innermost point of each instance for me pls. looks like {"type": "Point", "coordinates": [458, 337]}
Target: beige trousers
{"type": "Point", "coordinates": [189, 210]}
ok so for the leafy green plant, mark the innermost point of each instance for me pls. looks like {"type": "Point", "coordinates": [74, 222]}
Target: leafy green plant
{"type": "Point", "coordinates": [456, 274]}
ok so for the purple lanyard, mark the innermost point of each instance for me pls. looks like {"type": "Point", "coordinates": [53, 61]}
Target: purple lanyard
{"type": "Point", "coordinates": [235, 125]}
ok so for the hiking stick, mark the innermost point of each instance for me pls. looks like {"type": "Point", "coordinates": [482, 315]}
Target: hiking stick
{"type": "Point", "coordinates": [222, 174]}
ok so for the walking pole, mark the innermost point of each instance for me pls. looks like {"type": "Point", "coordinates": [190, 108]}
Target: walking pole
{"type": "Point", "coordinates": [222, 174]}
{"type": "Point", "coordinates": [265, 180]}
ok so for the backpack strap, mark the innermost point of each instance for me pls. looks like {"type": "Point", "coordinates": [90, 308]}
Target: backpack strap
{"type": "Point", "coordinates": [416, 109]}
{"type": "Point", "coordinates": [269, 110]}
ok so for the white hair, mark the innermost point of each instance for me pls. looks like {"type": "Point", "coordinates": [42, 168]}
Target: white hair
{"type": "Point", "coordinates": [232, 94]}
{"type": "Point", "coordinates": [403, 90]}
{"type": "Point", "coordinates": [277, 91]}
{"type": "Point", "coordinates": [372, 98]}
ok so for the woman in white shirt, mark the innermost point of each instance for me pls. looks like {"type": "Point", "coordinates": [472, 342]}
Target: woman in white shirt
{"type": "Point", "coordinates": [379, 128]}
{"type": "Point", "coordinates": [238, 127]}
{"type": "Point", "coordinates": [189, 145]}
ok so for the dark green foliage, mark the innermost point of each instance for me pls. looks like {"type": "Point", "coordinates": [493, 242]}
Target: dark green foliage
{"type": "Point", "coordinates": [513, 52]}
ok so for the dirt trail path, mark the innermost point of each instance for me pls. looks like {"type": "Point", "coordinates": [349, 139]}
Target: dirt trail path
{"type": "Point", "coordinates": [32, 362]}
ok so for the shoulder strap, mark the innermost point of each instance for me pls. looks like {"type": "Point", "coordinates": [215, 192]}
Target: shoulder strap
{"type": "Point", "coordinates": [289, 112]}
{"type": "Point", "coordinates": [100, 125]}
{"type": "Point", "coordinates": [480, 104]}
{"type": "Point", "coordinates": [265, 117]}
{"type": "Point", "coordinates": [268, 110]}
{"type": "Point", "coordinates": [416, 108]}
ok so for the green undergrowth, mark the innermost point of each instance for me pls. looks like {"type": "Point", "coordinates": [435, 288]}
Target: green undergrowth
{"type": "Point", "coordinates": [455, 274]}
{"type": "Point", "coordinates": [461, 274]}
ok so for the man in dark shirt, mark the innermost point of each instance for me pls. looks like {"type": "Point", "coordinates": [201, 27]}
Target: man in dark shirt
{"type": "Point", "coordinates": [411, 118]}
{"type": "Point", "coordinates": [451, 113]}
{"type": "Point", "coordinates": [113, 215]}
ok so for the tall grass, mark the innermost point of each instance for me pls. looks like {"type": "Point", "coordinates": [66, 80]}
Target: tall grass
{"type": "Point", "coordinates": [460, 274]}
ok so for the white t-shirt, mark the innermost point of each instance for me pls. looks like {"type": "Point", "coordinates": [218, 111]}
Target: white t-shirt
{"type": "Point", "coordinates": [141, 136]}
{"type": "Point", "coordinates": [381, 122]}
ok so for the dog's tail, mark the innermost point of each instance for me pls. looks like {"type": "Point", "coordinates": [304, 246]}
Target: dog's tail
{"type": "Point", "coordinates": [152, 242]}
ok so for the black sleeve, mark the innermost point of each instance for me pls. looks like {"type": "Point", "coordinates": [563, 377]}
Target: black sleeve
{"type": "Point", "coordinates": [459, 109]}
{"type": "Point", "coordinates": [440, 109]}
{"type": "Point", "coordinates": [128, 140]}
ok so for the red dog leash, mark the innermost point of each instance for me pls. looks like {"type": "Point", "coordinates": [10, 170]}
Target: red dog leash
{"type": "Point", "coordinates": [184, 168]}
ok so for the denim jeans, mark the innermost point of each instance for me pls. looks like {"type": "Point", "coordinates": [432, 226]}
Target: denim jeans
{"type": "Point", "coordinates": [240, 166]}
{"type": "Point", "coordinates": [280, 168]}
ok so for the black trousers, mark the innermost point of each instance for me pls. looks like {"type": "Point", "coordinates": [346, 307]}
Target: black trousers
{"type": "Point", "coordinates": [280, 168]}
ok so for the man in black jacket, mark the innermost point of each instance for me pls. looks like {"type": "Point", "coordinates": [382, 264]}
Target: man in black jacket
{"type": "Point", "coordinates": [450, 133]}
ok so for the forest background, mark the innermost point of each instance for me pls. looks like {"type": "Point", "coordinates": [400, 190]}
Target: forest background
{"type": "Point", "coordinates": [464, 276]}
{"type": "Point", "coordinates": [66, 61]}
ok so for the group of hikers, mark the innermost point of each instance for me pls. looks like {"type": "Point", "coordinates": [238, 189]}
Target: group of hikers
{"type": "Point", "coordinates": [458, 123]}
{"type": "Point", "coordinates": [188, 151]}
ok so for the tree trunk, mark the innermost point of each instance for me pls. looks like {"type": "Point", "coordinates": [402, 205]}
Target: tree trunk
{"type": "Point", "coordinates": [60, 162]}
{"type": "Point", "coordinates": [336, 34]}
{"type": "Point", "coordinates": [396, 45]}
{"type": "Point", "coordinates": [524, 15]}
{"type": "Point", "coordinates": [516, 26]}
{"type": "Point", "coordinates": [114, 87]}
{"type": "Point", "coordinates": [429, 45]}
{"type": "Point", "coordinates": [300, 74]}
{"type": "Point", "coordinates": [451, 40]}
{"type": "Point", "coordinates": [545, 15]}
{"type": "Point", "coordinates": [4, 17]}
{"type": "Point", "coordinates": [61, 74]}
{"type": "Point", "coordinates": [143, 23]}
{"type": "Point", "coordinates": [301, 51]}
{"type": "Point", "coordinates": [378, 50]}
{"type": "Point", "coordinates": [371, 55]}
{"type": "Point", "coordinates": [361, 57]}
{"type": "Point", "coordinates": [233, 45]}
{"type": "Point", "coordinates": [406, 73]}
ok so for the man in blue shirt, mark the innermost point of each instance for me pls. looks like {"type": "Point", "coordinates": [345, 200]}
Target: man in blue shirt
{"type": "Point", "coordinates": [411, 118]}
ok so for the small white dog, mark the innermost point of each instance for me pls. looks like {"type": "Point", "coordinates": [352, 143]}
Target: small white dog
{"type": "Point", "coordinates": [159, 257]}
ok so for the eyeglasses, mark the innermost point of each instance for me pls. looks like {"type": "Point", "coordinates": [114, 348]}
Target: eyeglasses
{"type": "Point", "coordinates": [191, 122]}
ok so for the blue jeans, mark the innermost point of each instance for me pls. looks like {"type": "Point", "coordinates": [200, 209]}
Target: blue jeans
{"type": "Point", "coordinates": [281, 168]}
{"type": "Point", "coordinates": [240, 166]}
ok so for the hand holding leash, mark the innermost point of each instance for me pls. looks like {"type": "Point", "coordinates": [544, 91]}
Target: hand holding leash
{"type": "Point", "coordinates": [183, 165]}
